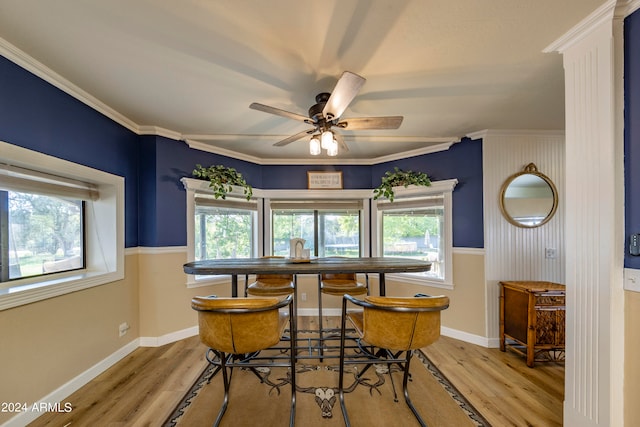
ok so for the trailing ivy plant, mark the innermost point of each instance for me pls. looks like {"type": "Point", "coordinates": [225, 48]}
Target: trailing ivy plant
{"type": "Point", "coordinates": [399, 178]}
{"type": "Point", "coordinates": [222, 179]}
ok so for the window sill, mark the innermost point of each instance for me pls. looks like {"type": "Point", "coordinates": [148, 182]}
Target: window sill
{"type": "Point", "coordinates": [416, 279]}
{"type": "Point", "coordinates": [202, 281]}
{"type": "Point", "coordinates": [28, 291]}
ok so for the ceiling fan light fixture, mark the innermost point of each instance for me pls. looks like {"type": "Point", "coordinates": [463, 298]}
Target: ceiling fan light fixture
{"type": "Point", "coordinates": [333, 149]}
{"type": "Point", "coordinates": [327, 139]}
{"type": "Point", "coordinates": [314, 146]}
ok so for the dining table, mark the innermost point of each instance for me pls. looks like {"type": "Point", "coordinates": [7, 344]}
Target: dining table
{"type": "Point", "coordinates": [365, 265]}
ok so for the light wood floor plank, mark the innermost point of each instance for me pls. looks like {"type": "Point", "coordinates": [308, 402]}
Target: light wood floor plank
{"type": "Point", "coordinates": [144, 387]}
{"type": "Point", "coordinates": [500, 385]}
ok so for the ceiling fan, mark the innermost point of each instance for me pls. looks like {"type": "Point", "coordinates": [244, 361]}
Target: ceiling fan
{"type": "Point", "coordinates": [326, 114]}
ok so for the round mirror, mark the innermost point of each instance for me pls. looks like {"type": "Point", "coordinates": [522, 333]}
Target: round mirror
{"type": "Point", "coordinates": [528, 198]}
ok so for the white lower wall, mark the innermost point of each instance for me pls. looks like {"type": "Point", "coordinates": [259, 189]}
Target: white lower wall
{"type": "Point", "coordinates": [511, 252]}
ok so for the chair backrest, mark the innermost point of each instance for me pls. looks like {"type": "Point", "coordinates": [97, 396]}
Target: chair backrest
{"type": "Point", "coordinates": [402, 323]}
{"type": "Point", "coordinates": [238, 325]}
{"type": "Point", "coordinates": [274, 278]}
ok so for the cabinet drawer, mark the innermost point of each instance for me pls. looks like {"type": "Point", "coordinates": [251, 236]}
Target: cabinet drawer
{"type": "Point", "coordinates": [549, 299]}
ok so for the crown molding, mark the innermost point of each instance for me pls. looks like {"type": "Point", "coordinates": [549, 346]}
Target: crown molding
{"type": "Point", "coordinates": [25, 61]}
{"type": "Point", "coordinates": [481, 134]}
{"type": "Point", "coordinates": [583, 28]}
{"type": "Point", "coordinates": [447, 142]}
{"type": "Point", "coordinates": [158, 131]}
{"type": "Point", "coordinates": [31, 65]}
{"type": "Point", "coordinates": [627, 7]}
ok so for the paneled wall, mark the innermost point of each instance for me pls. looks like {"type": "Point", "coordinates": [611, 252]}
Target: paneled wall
{"type": "Point", "coordinates": [515, 253]}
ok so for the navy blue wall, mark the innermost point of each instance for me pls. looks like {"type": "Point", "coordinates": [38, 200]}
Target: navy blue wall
{"type": "Point", "coordinates": [462, 161]}
{"type": "Point", "coordinates": [38, 116]}
{"type": "Point", "coordinates": [632, 132]}
{"type": "Point", "coordinates": [166, 202]}
{"type": "Point", "coordinates": [174, 160]}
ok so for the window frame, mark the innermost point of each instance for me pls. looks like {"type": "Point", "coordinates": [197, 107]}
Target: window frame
{"type": "Point", "coordinates": [437, 188]}
{"type": "Point", "coordinates": [104, 232]}
{"type": "Point", "coordinates": [195, 187]}
{"type": "Point", "coordinates": [361, 195]}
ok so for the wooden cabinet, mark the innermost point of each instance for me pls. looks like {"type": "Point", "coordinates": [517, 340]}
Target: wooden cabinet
{"type": "Point", "coordinates": [532, 319]}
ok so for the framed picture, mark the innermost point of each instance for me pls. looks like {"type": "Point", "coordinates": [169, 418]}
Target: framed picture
{"type": "Point", "coordinates": [324, 180]}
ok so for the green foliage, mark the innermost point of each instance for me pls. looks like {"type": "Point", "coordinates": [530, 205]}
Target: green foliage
{"type": "Point", "coordinates": [399, 227]}
{"type": "Point", "coordinates": [44, 224]}
{"type": "Point", "coordinates": [399, 178]}
{"type": "Point", "coordinates": [226, 234]}
{"type": "Point", "coordinates": [222, 179]}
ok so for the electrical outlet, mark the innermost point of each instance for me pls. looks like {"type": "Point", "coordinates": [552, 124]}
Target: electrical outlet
{"type": "Point", "coordinates": [632, 279]}
{"type": "Point", "coordinates": [304, 296]}
{"type": "Point", "coordinates": [550, 253]}
{"type": "Point", "coordinates": [123, 328]}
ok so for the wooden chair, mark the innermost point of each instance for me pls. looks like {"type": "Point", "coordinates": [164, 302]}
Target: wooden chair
{"type": "Point", "coordinates": [236, 330]}
{"type": "Point", "coordinates": [337, 284]}
{"type": "Point", "coordinates": [386, 328]}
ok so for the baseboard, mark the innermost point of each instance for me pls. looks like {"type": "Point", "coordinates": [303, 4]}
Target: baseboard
{"type": "Point", "coordinates": [168, 338]}
{"type": "Point", "coordinates": [448, 332]}
{"type": "Point", "coordinates": [313, 312]}
{"type": "Point", "coordinates": [470, 338]}
{"type": "Point", "coordinates": [64, 391]}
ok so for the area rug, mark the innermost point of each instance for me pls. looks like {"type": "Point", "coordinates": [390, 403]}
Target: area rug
{"type": "Point", "coordinates": [369, 401]}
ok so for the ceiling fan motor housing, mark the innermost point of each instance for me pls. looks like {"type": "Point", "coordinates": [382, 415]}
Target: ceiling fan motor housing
{"type": "Point", "coordinates": [315, 112]}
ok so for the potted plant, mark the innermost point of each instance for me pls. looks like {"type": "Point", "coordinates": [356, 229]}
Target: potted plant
{"type": "Point", "coordinates": [399, 178]}
{"type": "Point", "coordinates": [222, 179]}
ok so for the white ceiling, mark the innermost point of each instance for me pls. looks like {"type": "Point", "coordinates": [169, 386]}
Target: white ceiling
{"type": "Point", "coordinates": [192, 67]}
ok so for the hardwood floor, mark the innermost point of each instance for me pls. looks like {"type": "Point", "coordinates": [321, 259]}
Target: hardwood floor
{"type": "Point", "coordinates": [144, 387]}
{"type": "Point", "coordinates": [500, 385]}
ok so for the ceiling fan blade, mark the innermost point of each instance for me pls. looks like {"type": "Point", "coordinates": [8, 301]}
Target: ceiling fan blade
{"type": "Point", "coordinates": [279, 112]}
{"type": "Point", "coordinates": [346, 89]}
{"type": "Point", "coordinates": [340, 140]}
{"type": "Point", "coordinates": [295, 137]}
{"type": "Point", "coordinates": [389, 122]}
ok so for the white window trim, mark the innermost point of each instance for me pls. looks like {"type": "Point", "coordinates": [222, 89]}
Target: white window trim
{"type": "Point", "coordinates": [104, 231]}
{"type": "Point", "coordinates": [363, 195]}
{"type": "Point", "coordinates": [371, 217]}
{"type": "Point", "coordinates": [445, 188]}
{"type": "Point", "coordinates": [199, 186]}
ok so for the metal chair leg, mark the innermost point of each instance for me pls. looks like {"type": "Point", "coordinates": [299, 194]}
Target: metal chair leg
{"type": "Point", "coordinates": [293, 358]}
{"type": "Point", "coordinates": [225, 380]}
{"type": "Point", "coordinates": [341, 367]}
{"type": "Point", "coordinates": [405, 380]}
{"type": "Point", "coordinates": [321, 337]}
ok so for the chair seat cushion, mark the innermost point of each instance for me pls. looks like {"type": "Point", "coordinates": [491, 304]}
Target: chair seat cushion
{"type": "Point", "coordinates": [340, 287]}
{"type": "Point", "coordinates": [270, 287]}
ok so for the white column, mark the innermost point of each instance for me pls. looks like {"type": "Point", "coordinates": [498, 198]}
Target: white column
{"type": "Point", "coordinates": [594, 223]}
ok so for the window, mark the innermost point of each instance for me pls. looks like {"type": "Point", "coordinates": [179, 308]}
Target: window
{"type": "Point", "coordinates": [329, 228]}
{"type": "Point", "coordinates": [61, 226]}
{"type": "Point", "coordinates": [219, 228]}
{"type": "Point", "coordinates": [223, 232]}
{"type": "Point", "coordinates": [418, 225]}
{"type": "Point", "coordinates": [416, 232]}
{"type": "Point", "coordinates": [39, 234]}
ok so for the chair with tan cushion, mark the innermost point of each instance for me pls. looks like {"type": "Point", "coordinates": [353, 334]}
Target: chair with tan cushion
{"type": "Point", "coordinates": [387, 328]}
{"type": "Point", "coordinates": [237, 329]}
